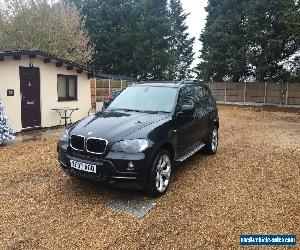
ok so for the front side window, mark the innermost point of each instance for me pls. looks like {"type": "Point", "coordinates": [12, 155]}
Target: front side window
{"type": "Point", "coordinates": [66, 87]}
{"type": "Point", "coordinates": [186, 96]}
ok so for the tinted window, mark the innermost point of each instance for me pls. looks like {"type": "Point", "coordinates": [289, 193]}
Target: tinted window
{"type": "Point", "coordinates": [145, 98]}
{"type": "Point", "coordinates": [204, 101]}
{"type": "Point", "coordinates": [186, 96]}
{"type": "Point", "coordinates": [211, 100]}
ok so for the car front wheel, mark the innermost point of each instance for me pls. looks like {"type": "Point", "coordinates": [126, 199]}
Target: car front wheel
{"type": "Point", "coordinates": [160, 174]}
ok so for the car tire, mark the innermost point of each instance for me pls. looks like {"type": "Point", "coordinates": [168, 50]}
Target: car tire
{"type": "Point", "coordinates": [211, 145]}
{"type": "Point", "coordinates": [160, 174]}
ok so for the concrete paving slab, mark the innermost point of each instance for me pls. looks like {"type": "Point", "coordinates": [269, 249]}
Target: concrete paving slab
{"type": "Point", "coordinates": [35, 135]}
{"type": "Point", "coordinates": [132, 204]}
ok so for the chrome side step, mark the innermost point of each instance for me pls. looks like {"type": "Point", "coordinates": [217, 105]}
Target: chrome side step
{"type": "Point", "coordinates": [193, 151]}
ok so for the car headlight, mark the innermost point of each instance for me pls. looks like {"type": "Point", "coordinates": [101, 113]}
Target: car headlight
{"type": "Point", "coordinates": [66, 135]}
{"type": "Point", "coordinates": [130, 146]}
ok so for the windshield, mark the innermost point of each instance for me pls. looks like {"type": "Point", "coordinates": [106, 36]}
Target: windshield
{"type": "Point", "coordinates": [145, 98]}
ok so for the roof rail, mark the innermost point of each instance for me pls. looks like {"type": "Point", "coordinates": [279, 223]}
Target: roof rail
{"type": "Point", "coordinates": [189, 81]}
{"type": "Point", "coordinates": [157, 81]}
{"type": "Point", "coordinates": [170, 82]}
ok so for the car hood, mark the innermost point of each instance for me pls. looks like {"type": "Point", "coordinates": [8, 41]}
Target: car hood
{"type": "Point", "coordinates": [114, 125]}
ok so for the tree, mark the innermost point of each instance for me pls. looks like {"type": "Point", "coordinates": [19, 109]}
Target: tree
{"type": "Point", "coordinates": [273, 29]}
{"type": "Point", "coordinates": [156, 39]}
{"type": "Point", "coordinates": [130, 37]}
{"type": "Point", "coordinates": [6, 131]}
{"type": "Point", "coordinates": [181, 46]}
{"type": "Point", "coordinates": [55, 28]}
{"type": "Point", "coordinates": [224, 52]}
{"type": "Point", "coordinates": [108, 27]}
{"type": "Point", "coordinates": [295, 72]}
{"type": "Point", "coordinates": [250, 39]}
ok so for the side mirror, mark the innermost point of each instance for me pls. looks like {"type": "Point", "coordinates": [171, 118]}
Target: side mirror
{"type": "Point", "coordinates": [106, 103]}
{"type": "Point", "coordinates": [187, 108]}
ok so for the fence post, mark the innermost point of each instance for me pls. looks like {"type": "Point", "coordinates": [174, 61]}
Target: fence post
{"type": "Point", "coordinates": [95, 88]}
{"type": "Point", "coordinates": [287, 94]}
{"type": "Point", "coordinates": [265, 92]}
{"type": "Point", "coordinates": [225, 97]}
{"type": "Point", "coordinates": [245, 89]}
{"type": "Point", "coordinates": [109, 86]}
{"type": "Point", "coordinates": [121, 84]}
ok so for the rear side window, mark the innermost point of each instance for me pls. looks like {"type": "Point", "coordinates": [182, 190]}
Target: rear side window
{"type": "Point", "coordinates": [204, 101]}
{"type": "Point", "coordinates": [211, 100]}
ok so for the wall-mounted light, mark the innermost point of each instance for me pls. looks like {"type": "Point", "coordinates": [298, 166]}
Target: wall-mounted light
{"type": "Point", "coordinates": [30, 64]}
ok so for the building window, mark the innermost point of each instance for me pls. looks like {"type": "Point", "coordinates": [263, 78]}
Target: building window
{"type": "Point", "coordinates": [66, 88]}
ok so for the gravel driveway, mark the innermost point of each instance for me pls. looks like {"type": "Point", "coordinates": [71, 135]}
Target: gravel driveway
{"type": "Point", "coordinates": [252, 186]}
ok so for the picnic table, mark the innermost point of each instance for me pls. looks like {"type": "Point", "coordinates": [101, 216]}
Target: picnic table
{"type": "Point", "coordinates": [63, 112]}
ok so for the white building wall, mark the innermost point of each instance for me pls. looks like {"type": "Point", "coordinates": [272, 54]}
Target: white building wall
{"type": "Point", "coordinates": [10, 79]}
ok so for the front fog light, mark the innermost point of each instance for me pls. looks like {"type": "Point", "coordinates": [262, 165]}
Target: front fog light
{"type": "Point", "coordinates": [130, 166]}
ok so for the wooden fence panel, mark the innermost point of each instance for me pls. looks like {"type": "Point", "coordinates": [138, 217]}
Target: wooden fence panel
{"type": "Point", "coordinates": [275, 87]}
{"type": "Point", "coordinates": [235, 92]}
{"type": "Point", "coordinates": [256, 92]}
{"type": "Point", "coordinates": [217, 85]}
{"type": "Point", "coordinates": [274, 100]}
{"type": "Point", "coordinates": [218, 92]}
{"type": "Point", "coordinates": [235, 86]}
{"type": "Point", "coordinates": [102, 83]}
{"type": "Point", "coordinates": [234, 98]}
{"type": "Point", "coordinates": [105, 86]}
{"type": "Point", "coordinates": [219, 98]}
{"type": "Point", "coordinates": [294, 101]}
{"type": "Point", "coordinates": [255, 89]}
{"type": "Point", "coordinates": [294, 90]}
{"type": "Point", "coordinates": [293, 93]}
{"type": "Point", "coordinates": [274, 93]}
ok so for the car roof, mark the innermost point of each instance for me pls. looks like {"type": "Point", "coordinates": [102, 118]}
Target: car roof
{"type": "Point", "coordinates": [170, 84]}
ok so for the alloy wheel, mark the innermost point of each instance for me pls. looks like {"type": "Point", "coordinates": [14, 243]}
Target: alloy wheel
{"type": "Point", "coordinates": [163, 173]}
{"type": "Point", "coordinates": [214, 141]}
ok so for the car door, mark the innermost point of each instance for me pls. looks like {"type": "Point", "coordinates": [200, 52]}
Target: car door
{"type": "Point", "coordinates": [185, 125]}
{"type": "Point", "coordinates": [202, 112]}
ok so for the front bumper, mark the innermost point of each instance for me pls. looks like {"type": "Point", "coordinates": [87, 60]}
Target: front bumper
{"type": "Point", "coordinates": [113, 168]}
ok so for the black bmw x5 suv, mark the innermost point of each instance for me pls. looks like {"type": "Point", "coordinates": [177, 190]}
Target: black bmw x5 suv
{"type": "Point", "coordinates": [144, 132]}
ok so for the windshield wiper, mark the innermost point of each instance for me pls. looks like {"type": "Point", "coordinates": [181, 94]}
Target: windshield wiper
{"type": "Point", "coordinates": [154, 112]}
{"type": "Point", "coordinates": [127, 110]}
{"type": "Point", "coordinates": [140, 111]}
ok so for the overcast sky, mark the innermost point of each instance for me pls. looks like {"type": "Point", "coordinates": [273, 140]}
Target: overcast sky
{"type": "Point", "coordinates": [196, 21]}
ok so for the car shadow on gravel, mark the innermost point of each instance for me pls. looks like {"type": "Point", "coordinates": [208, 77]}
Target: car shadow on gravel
{"type": "Point", "coordinates": [88, 188]}
{"type": "Point", "coordinates": [134, 203]}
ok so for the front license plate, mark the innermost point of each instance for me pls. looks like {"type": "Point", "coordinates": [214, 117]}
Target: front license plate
{"type": "Point", "coordinates": [83, 166]}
